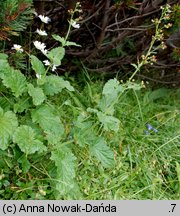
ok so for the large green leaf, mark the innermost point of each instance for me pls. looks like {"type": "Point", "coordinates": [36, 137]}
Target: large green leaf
{"type": "Point", "coordinates": [102, 152]}
{"type": "Point", "coordinates": [65, 163]}
{"type": "Point", "coordinates": [50, 123]}
{"type": "Point", "coordinates": [3, 61]}
{"type": "Point", "coordinates": [15, 80]}
{"type": "Point", "coordinates": [110, 94]}
{"type": "Point", "coordinates": [37, 65]}
{"type": "Point", "coordinates": [26, 139]}
{"type": "Point", "coordinates": [109, 122]}
{"type": "Point", "coordinates": [56, 55]}
{"type": "Point", "coordinates": [8, 124]}
{"type": "Point", "coordinates": [3, 56]}
{"type": "Point", "coordinates": [83, 131]}
{"type": "Point", "coordinates": [54, 84]}
{"type": "Point", "coordinates": [111, 87]}
{"type": "Point", "coordinates": [37, 94]}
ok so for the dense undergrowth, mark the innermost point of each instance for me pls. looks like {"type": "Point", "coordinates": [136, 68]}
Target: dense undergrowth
{"type": "Point", "coordinates": [124, 163]}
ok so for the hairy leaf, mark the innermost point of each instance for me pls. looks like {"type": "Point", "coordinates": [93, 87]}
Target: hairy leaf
{"type": "Point", "coordinates": [37, 94]}
{"type": "Point", "coordinates": [65, 163]}
{"type": "Point", "coordinates": [102, 152]}
{"type": "Point", "coordinates": [109, 122]}
{"type": "Point", "coordinates": [26, 139]}
{"type": "Point", "coordinates": [54, 84]}
{"type": "Point", "coordinates": [50, 123]}
{"type": "Point", "coordinates": [37, 65]}
{"type": "Point", "coordinates": [15, 80]}
{"type": "Point", "coordinates": [56, 55]}
{"type": "Point", "coordinates": [110, 93]}
{"type": "Point", "coordinates": [83, 132]}
{"type": "Point", "coordinates": [8, 124]}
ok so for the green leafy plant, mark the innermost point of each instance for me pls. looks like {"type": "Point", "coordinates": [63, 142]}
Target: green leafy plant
{"type": "Point", "coordinates": [44, 120]}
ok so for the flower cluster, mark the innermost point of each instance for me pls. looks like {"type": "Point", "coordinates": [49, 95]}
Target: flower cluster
{"type": "Point", "coordinates": [41, 46]}
{"type": "Point", "coordinates": [149, 59]}
{"type": "Point", "coordinates": [73, 22]}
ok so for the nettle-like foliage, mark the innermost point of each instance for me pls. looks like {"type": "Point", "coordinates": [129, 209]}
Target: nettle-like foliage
{"type": "Point", "coordinates": [30, 121]}
{"type": "Point", "coordinates": [14, 17]}
{"type": "Point", "coordinates": [32, 130]}
{"type": "Point", "coordinates": [31, 127]}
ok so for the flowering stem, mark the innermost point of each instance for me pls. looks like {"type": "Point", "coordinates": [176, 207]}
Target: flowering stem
{"type": "Point", "coordinates": [70, 23]}
{"type": "Point", "coordinates": [154, 38]}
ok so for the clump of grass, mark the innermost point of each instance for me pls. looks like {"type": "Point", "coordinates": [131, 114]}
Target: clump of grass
{"type": "Point", "coordinates": [145, 163]}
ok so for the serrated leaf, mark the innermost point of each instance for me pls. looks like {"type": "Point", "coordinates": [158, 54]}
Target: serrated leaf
{"type": "Point", "coordinates": [109, 122]}
{"type": "Point", "coordinates": [54, 84]}
{"type": "Point", "coordinates": [37, 65]}
{"type": "Point", "coordinates": [15, 80]}
{"type": "Point", "coordinates": [106, 105]}
{"type": "Point", "coordinates": [3, 61]}
{"type": "Point", "coordinates": [111, 91]}
{"type": "Point", "coordinates": [25, 137]}
{"type": "Point", "coordinates": [69, 43]}
{"type": "Point", "coordinates": [111, 87]}
{"type": "Point", "coordinates": [65, 163]}
{"type": "Point", "coordinates": [50, 123]}
{"type": "Point", "coordinates": [56, 55]}
{"type": "Point", "coordinates": [37, 94]}
{"type": "Point", "coordinates": [8, 124]}
{"type": "Point", "coordinates": [83, 133]}
{"type": "Point", "coordinates": [60, 39]}
{"type": "Point", "coordinates": [102, 152]}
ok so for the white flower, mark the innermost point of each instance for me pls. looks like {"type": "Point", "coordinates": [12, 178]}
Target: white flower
{"type": "Point", "coordinates": [38, 76]}
{"type": "Point", "coordinates": [44, 19]}
{"type": "Point", "coordinates": [18, 48]}
{"type": "Point", "coordinates": [46, 62]}
{"type": "Point", "coordinates": [40, 32]}
{"type": "Point", "coordinates": [75, 25]}
{"type": "Point", "coordinates": [40, 46]}
{"type": "Point", "coordinates": [53, 67]}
